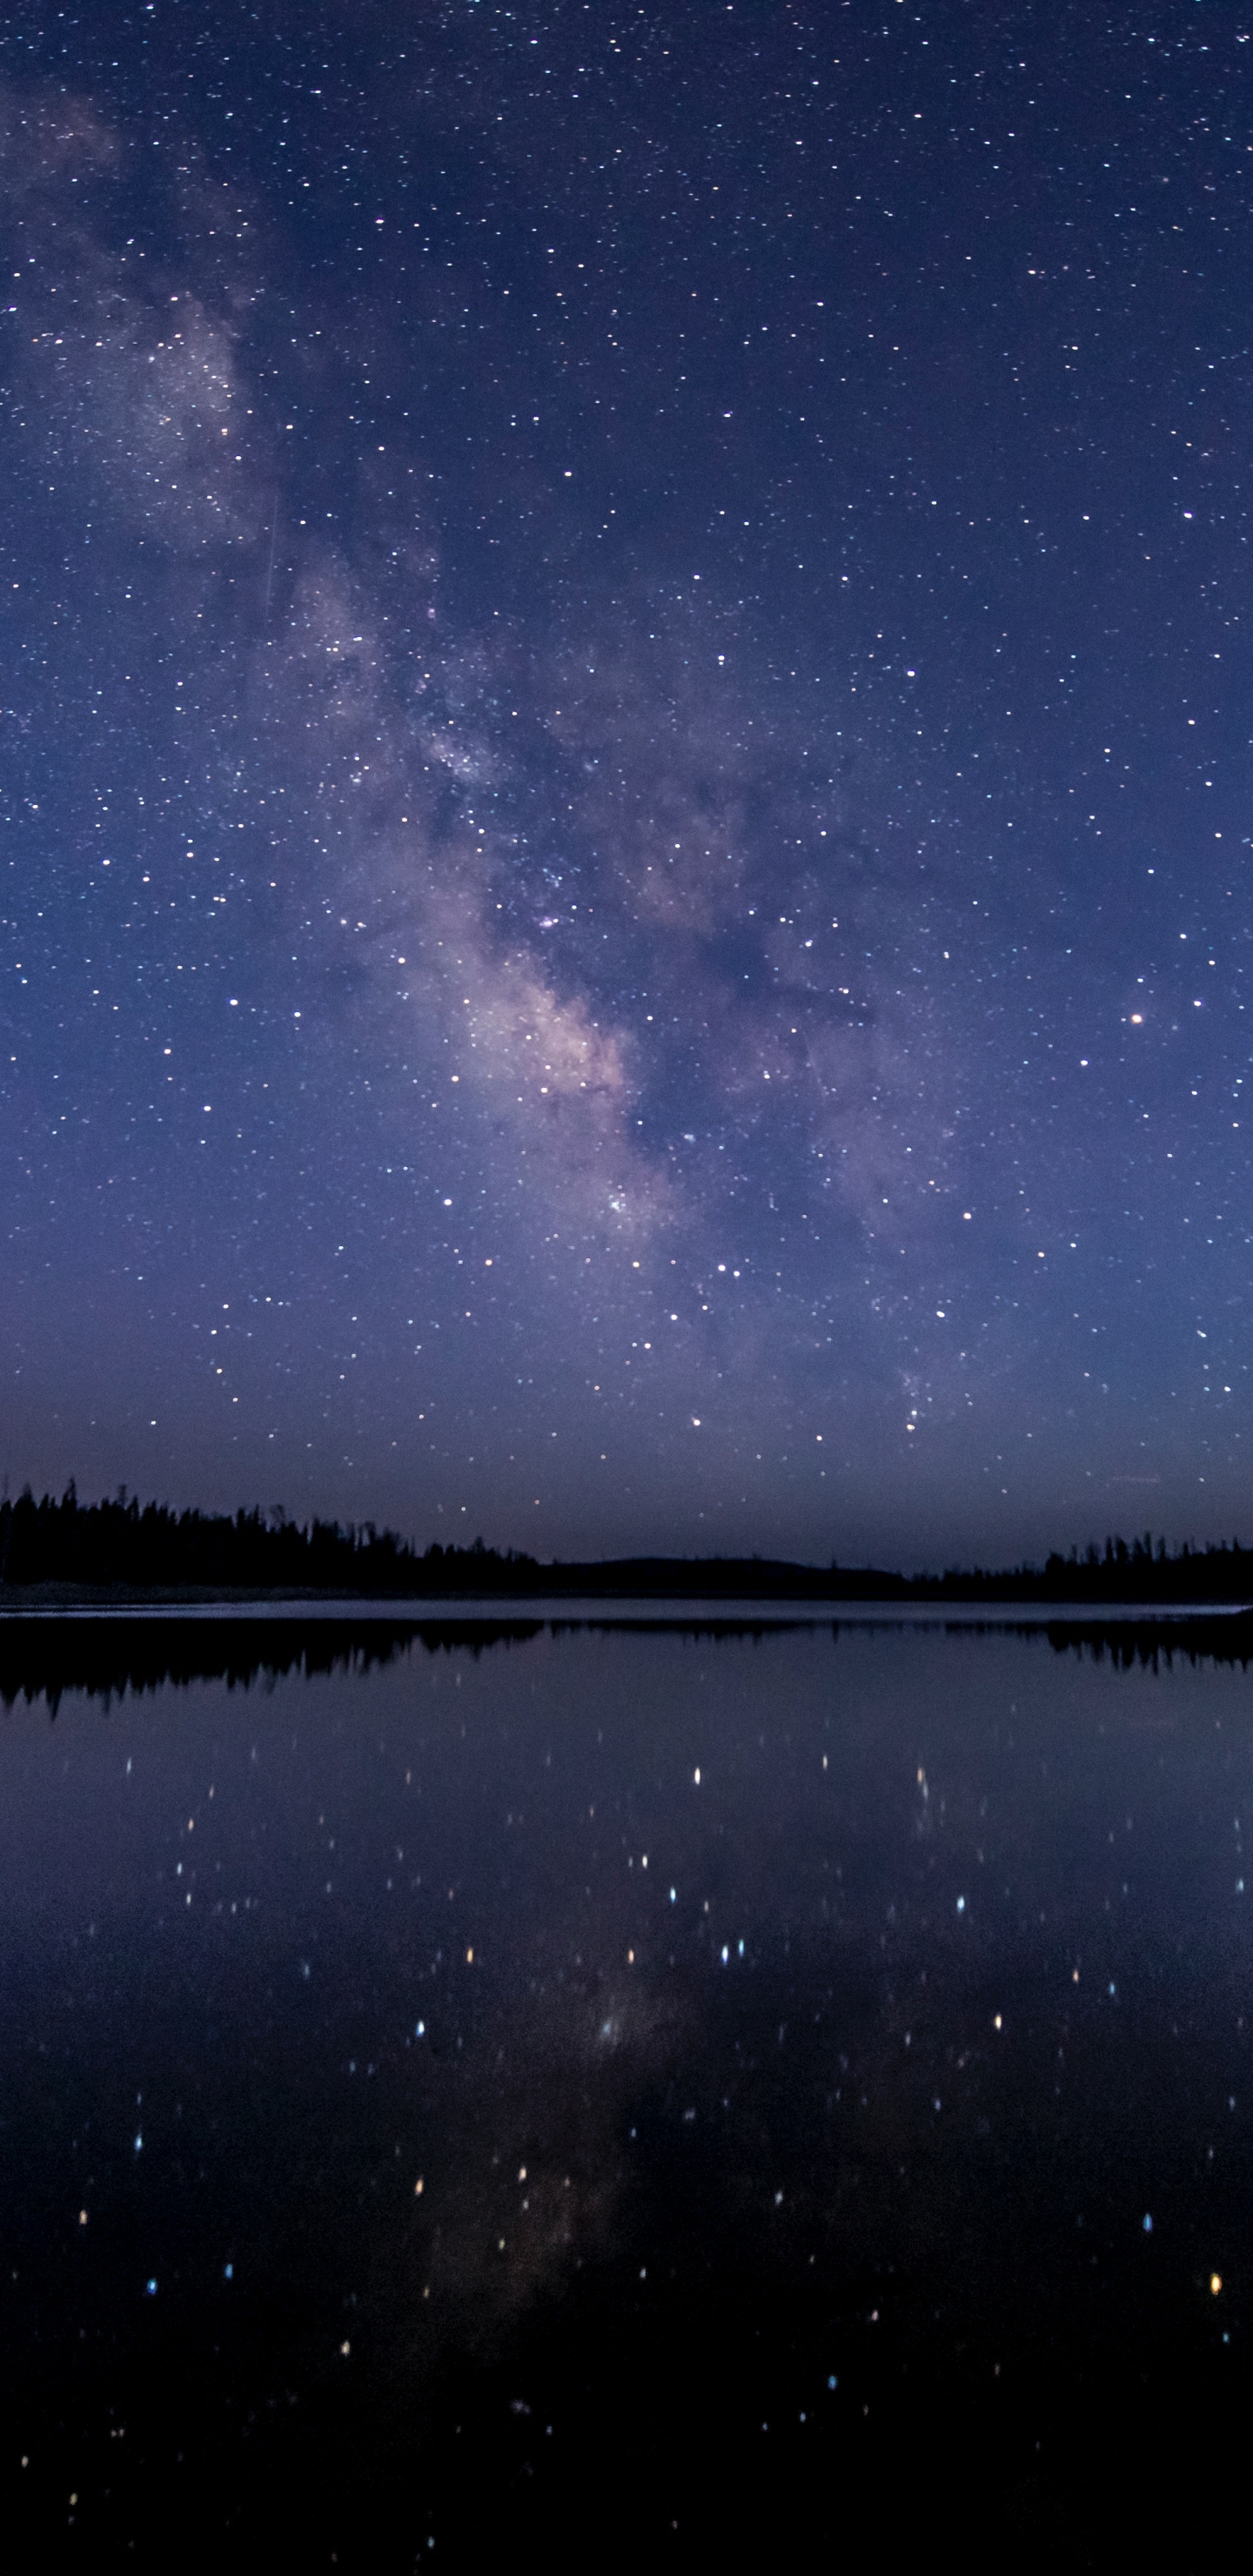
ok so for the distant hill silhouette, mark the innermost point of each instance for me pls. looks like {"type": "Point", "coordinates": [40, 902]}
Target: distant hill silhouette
{"type": "Point", "coordinates": [123, 1547]}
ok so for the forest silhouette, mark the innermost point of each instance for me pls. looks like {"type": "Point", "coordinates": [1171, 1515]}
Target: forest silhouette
{"type": "Point", "coordinates": [125, 1548]}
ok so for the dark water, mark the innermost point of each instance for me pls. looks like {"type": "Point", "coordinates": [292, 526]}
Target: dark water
{"type": "Point", "coordinates": [625, 2096]}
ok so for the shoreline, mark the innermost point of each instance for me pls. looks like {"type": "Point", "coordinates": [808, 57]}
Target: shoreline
{"type": "Point", "coordinates": [51, 1601]}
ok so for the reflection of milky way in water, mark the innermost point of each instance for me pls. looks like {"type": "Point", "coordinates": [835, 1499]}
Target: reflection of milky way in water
{"type": "Point", "coordinates": [789, 2037]}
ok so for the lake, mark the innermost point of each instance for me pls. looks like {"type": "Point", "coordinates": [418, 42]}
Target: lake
{"type": "Point", "coordinates": [622, 2089]}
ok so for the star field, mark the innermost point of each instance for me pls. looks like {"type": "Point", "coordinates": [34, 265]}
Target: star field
{"type": "Point", "coordinates": [624, 786]}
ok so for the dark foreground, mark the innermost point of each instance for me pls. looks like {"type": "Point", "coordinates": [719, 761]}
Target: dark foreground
{"type": "Point", "coordinates": [796, 2211]}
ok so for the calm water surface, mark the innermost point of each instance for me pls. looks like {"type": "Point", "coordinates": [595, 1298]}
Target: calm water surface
{"type": "Point", "coordinates": [624, 2092]}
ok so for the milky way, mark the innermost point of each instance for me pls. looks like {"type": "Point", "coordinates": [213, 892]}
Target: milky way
{"type": "Point", "coordinates": [622, 766]}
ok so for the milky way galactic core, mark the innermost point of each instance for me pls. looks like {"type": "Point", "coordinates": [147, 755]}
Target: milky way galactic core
{"type": "Point", "coordinates": [625, 863]}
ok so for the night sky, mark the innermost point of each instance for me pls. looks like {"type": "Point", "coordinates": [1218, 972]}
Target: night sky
{"type": "Point", "coordinates": [624, 786]}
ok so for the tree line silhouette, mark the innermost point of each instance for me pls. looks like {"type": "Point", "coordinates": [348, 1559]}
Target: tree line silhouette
{"type": "Point", "coordinates": [123, 1546]}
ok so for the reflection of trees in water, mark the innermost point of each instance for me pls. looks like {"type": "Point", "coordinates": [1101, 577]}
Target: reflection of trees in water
{"type": "Point", "coordinates": [1226, 1639]}
{"type": "Point", "coordinates": [42, 1658]}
